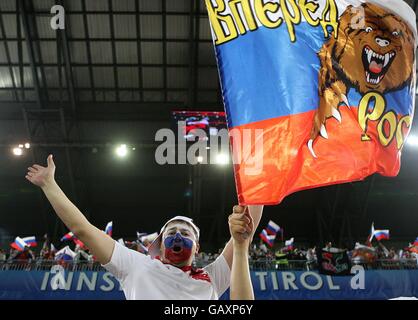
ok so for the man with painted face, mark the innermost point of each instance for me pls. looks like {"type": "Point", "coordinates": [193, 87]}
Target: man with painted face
{"type": "Point", "coordinates": [167, 273]}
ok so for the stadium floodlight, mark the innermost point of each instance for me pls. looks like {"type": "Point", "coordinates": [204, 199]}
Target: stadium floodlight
{"type": "Point", "coordinates": [17, 151]}
{"type": "Point", "coordinates": [412, 140]}
{"type": "Point", "coordinates": [222, 159]}
{"type": "Point", "coordinates": [27, 145]}
{"type": "Point", "coordinates": [122, 151]}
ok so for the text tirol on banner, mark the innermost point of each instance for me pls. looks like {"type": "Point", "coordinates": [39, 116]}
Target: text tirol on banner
{"type": "Point", "coordinates": [329, 84]}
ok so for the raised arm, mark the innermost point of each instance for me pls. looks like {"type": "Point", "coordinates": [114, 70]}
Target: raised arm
{"type": "Point", "coordinates": [241, 287]}
{"type": "Point", "coordinates": [255, 212]}
{"type": "Point", "coordinates": [99, 243]}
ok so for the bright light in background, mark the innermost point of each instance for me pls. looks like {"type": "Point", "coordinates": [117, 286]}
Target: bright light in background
{"type": "Point", "coordinates": [122, 151]}
{"type": "Point", "coordinates": [222, 159]}
{"type": "Point", "coordinates": [17, 152]}
{"type": "Point", "coordinates": [412, 141]}
{"type": "Point", "coordinates": [199, 159]}
{"type": "Point", "coordinates": [27, 145]}
{"type": "Point", "coordinates": [21, 146]}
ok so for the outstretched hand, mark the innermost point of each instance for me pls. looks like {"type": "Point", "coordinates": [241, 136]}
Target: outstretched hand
{"type": "Point", "coordinates": [240, 224]}
{"type": "Point", "coordinates": [41, 176]}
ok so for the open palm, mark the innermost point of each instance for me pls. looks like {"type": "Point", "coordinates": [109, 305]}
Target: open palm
{"type": "Point", "coordinates": [40, 175]}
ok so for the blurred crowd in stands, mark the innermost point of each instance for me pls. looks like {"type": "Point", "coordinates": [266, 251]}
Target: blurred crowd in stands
{"type": "Point", "coordinates": [261, 255]}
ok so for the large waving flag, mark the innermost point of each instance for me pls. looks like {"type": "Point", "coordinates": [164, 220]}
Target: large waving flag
{"type": "Point", "coordinates": [316, 93]}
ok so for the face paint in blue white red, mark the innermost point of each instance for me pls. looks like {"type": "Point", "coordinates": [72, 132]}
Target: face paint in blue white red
{"type": "Point", "coordinates": [178, 249]}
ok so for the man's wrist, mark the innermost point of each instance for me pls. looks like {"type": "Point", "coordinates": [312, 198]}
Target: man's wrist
{"type": "Point", "coordinates": [48, 185]}
{"type": "Point", "coordinates": [241, 246]}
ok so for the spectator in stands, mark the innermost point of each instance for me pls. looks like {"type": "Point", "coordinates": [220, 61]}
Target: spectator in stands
{"type": "Point", "coordinates": [81, 255]}
{"type": "Point", "coordinates": [2, 255]}
{"type": "Point", "coordinates": [173, 250]}
{"type": "Point", "coordinates": [263, 248]}
{"type": "Point", "coordinates": [12, 253]}
{"type": "Point", "coordinates": [328, 246]}
{"type": "Point", "coordinates": [392, 254]}
{"type": "Point", "coordinates": [23, 257]}
{"type": "Point", "coordinates": [311, 259]}
{"type": "Point", "coordinates": [47, 252]}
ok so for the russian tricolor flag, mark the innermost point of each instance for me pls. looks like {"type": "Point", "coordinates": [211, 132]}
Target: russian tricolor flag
{"type": "Point", "coordinates": [30, 241]}
{"type": "Point", "coordinates": [416, 242]}
{"type": "Point", "coordinates": [272, 228]}
{"type": "Point", "coordinates": [370, 237]}
{"type": "Point", "coordinates": [269, 239]}
{"type": "Point", "coordinates": [381, 235]}
{"type": "Point", "coordinates": [296, 116]}
{"type": "Point", "coordinates": [289, 243]}
{"type": "Point", "coordinates": [19, 244]}
{"type": "Point", "coordinates": [108, 229]}
{"type": "Point", "coordinates": [79, 243]}
{"type": "Point", "coordinates": [68, 236]}
{"type": "Point", "coordinates": [65, 254]}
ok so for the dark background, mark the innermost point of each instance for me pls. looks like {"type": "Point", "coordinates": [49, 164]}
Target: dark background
{"type": "Point", "coordinates": [113, 76]}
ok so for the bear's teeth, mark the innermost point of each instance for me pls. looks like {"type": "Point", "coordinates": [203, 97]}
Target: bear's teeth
{"type": "Point", "coordinates": [369, 56]}
{"type": "Point", "coordinates": [387, 58]}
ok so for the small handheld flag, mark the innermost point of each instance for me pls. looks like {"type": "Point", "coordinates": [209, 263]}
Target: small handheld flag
{"type": "Point", "coordinates": [139, 235]}
{"type": "Point", "coordinates": [371, 235]}
{"type": "Point", "coordinates": [109, 228]}
{"type": "Point", "coordinates": [381, 235]}
{"type": "Point", "coordinates": [289, 244]}
{"type": "Point", "coordinates": [30, 241]}
{"type": "Point", "coordinates": [68, 236]}
{"type": "Point", "coordinates": [416, 242]}
{"type": "Point", "coordinates": [19, 244]}
{"type": "Point", "coordinates": [150, 237]}
{"type": "Point", "coordinates": [79, 243]}
{"type": "Point", "coordinates": [272, 228]}
{"type": "Point", "coordinates": [141, 248]}
{"type": "Point", "coordinates": [269, 239]}
{"type": "Point", "coordinates": [65, 254]}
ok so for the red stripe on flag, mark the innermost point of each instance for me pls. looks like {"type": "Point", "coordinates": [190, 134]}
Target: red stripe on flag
{"type": "Point", "coordinates": [288, 166]}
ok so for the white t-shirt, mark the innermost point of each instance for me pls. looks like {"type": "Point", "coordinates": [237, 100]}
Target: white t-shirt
{"type": "Point", "coordinates": [143, 278]}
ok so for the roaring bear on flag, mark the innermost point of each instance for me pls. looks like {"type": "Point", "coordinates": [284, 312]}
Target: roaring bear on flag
{"type": "Point", "coordinates": [382, 60]}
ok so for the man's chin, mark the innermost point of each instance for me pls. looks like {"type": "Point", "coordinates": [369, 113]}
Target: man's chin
{"type": "Point", "coordinates": [177, 263]}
